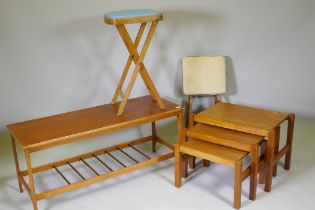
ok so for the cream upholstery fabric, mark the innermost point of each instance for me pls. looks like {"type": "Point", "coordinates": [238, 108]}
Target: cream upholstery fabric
{"type": "Point", "coordinates": [204, 75]}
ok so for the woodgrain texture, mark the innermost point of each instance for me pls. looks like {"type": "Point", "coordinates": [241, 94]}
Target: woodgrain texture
{"type": "Point", "coordinates": [212, 152]}
{"type": "Point", "coordinates": [225, 137]}
{"type": "Point", "coordinates": [73, 126]}
{"type": "Point", "coordinates": [242, 118]}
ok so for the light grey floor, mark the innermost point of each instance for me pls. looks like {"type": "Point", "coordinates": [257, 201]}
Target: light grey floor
{"type": "Point", "coordinates": [152, 187]}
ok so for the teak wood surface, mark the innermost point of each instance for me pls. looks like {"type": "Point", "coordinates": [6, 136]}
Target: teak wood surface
{"type": "Point", "coordinates": [47, 132]}
{"type": "Point", "coordinates": [217, 153]}
{"type": "Point", "coordinates": [73, 126]}
{"type": "Point", "coordinates": [254, 121]}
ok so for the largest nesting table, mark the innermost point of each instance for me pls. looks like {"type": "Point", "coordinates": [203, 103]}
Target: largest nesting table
{"type": "Point", "coordinates": [52, 131]}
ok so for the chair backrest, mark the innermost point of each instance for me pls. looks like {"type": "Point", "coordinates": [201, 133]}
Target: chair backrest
{"type": "Point", "coordinates": [203, 75]}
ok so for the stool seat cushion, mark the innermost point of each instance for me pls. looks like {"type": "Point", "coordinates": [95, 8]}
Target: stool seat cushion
{"type": "Point", "coordinates": [132, 16]}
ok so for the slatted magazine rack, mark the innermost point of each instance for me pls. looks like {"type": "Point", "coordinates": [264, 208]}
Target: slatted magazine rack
{"type": "Point", "coordinates": [43, 133]}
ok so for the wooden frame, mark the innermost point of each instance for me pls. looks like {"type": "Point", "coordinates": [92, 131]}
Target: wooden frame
{"type": "Point", "coordinates": [91, 121]}
{"type": "Point", "coordinates": [258, 122]}
{"type": "Point", "coordinates": [138, 61]}
{"type": "Point", "coordinates": [220, 154]}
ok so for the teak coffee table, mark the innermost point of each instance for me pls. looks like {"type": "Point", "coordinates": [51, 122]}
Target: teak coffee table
{"type": "Point", "coordinates": [258, 122]}
{"type": "Point", "coordinates": [52, 131]}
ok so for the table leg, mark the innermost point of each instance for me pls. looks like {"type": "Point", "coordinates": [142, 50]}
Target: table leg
{"type": "Point", "coordinates": [270, 147]}
{"type": "Point", "coordinates": [275, 167]}
{"type": "Point", "coordinates": [291, 120]}
{"type": "Point", "coordinates": [16, 160]}
{"type": "Point", "coordinates": [254, 157]}
{"type": "Point", "coordinates": [153, 126]}
{"type": "Point", "coordinates": [178, 166]}
{"type": "Point", "coordinates": [30, 175]}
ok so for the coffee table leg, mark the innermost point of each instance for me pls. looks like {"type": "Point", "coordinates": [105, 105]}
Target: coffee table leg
{"type": "Point", "coordinates": [30, 175]}
{"type": "Point", "coordinates": [291, 120]}
{"type": "Point", "coordinates": [270, 147]}
{"type": "Point", "coordinates": [16, 160]}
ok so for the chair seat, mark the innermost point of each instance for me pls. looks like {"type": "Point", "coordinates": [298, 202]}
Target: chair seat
{"type": "Point", "coordinates": [132, 16]}
{"type": "Point", "coordinates": [223, 136]}
{"type": "Point", "coordinates": [213, 152]}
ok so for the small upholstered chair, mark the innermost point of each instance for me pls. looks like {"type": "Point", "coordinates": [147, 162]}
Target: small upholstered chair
{"type": "Point", "coordinates": [207, 76]}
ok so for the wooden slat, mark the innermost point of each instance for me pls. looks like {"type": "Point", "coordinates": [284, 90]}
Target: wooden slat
{"type": "Point", "coordinates": [162, 141]}
{"type": "Point", "coordinates": [90, 167]}
{"type": "Point", "coordinates": [279, 155]}
{"type": "Point", "coordinates": [87, 155]}
{"type": "Point", "coordinates": [118, 161]}
{"type": "Point", "coordinates": [97, 158]}
{"type": "Point", "coordinates": [92, 180]}
{"type": "Point", "coordinates": [125, 153]}
{"type": "Point", "coordinates": [64, 178]}
{"type": "Point", "coordinates": [76, 171]}
{"type": "Point", "coordinates": [148, 157]}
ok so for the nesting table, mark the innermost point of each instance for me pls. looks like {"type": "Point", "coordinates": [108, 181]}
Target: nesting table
{"type": "Point", "coordinates": [43, 133]}
{"type": "Point", "coordinates": [258, 122]}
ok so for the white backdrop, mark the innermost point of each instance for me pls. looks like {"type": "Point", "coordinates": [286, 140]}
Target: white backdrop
{"type": "Point", "coordinates": [57, 56]}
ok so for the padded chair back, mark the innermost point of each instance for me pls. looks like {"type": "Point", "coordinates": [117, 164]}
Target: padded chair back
{"type": "Point", "coordinates": [204, 75]}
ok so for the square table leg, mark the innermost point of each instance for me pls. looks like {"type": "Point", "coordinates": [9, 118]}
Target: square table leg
{"type": "Point", "coordinates": [291, 119]}
{"type": "Point", "coordinates": [269, 159]}
{"type": "Point", "coordinates": [30, 175]}
{"type": "Point", "coordinates": [275, 167]}
{"type": "Point", "coordinates": [16, 160]}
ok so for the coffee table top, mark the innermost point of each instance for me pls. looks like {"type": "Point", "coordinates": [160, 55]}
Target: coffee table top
{"type": "Point", "coordinates": [242, 118]}
{"type": "Point", "coordinates": [72, 126]}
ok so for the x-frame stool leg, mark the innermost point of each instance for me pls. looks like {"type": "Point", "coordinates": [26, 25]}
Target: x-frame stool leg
{"type": "Point", "coordinates": [118, 90]}
{"type": "Point", "coordinates": [138, 60]}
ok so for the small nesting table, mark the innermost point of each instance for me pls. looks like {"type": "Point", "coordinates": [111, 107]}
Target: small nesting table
{"type": "Point", "coordinates": [52, 131]}
{"type": "Point", "coordinates": [258, 122]}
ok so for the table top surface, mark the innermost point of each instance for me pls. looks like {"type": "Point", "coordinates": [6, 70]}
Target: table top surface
{"type": "Point", "coordinates": [242, 118]}
{"type": "Point", "coordinates": [87, 122]}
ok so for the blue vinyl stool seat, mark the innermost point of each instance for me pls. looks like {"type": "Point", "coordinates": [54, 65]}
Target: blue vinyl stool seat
{"type": "Point", "coordinates": [132, 16]}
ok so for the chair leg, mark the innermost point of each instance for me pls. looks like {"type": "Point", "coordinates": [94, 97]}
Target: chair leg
{"type": "Point", "coordinates": [253, 172]}
{"type": "Point", "coordinates": [153, 136]}
{"type": "Point", "coordinates": [287, 163]}
{"type": "Point", "coordinates": [237, 184]}
{"type": "Point", "coordinates": [206, 163]}
{"type": "Point", "coordinates": [192, 162]}
{"type": "Point", "coordinates": [185, 169]}
{"type": "Point", "coordinates": [178, 167]}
